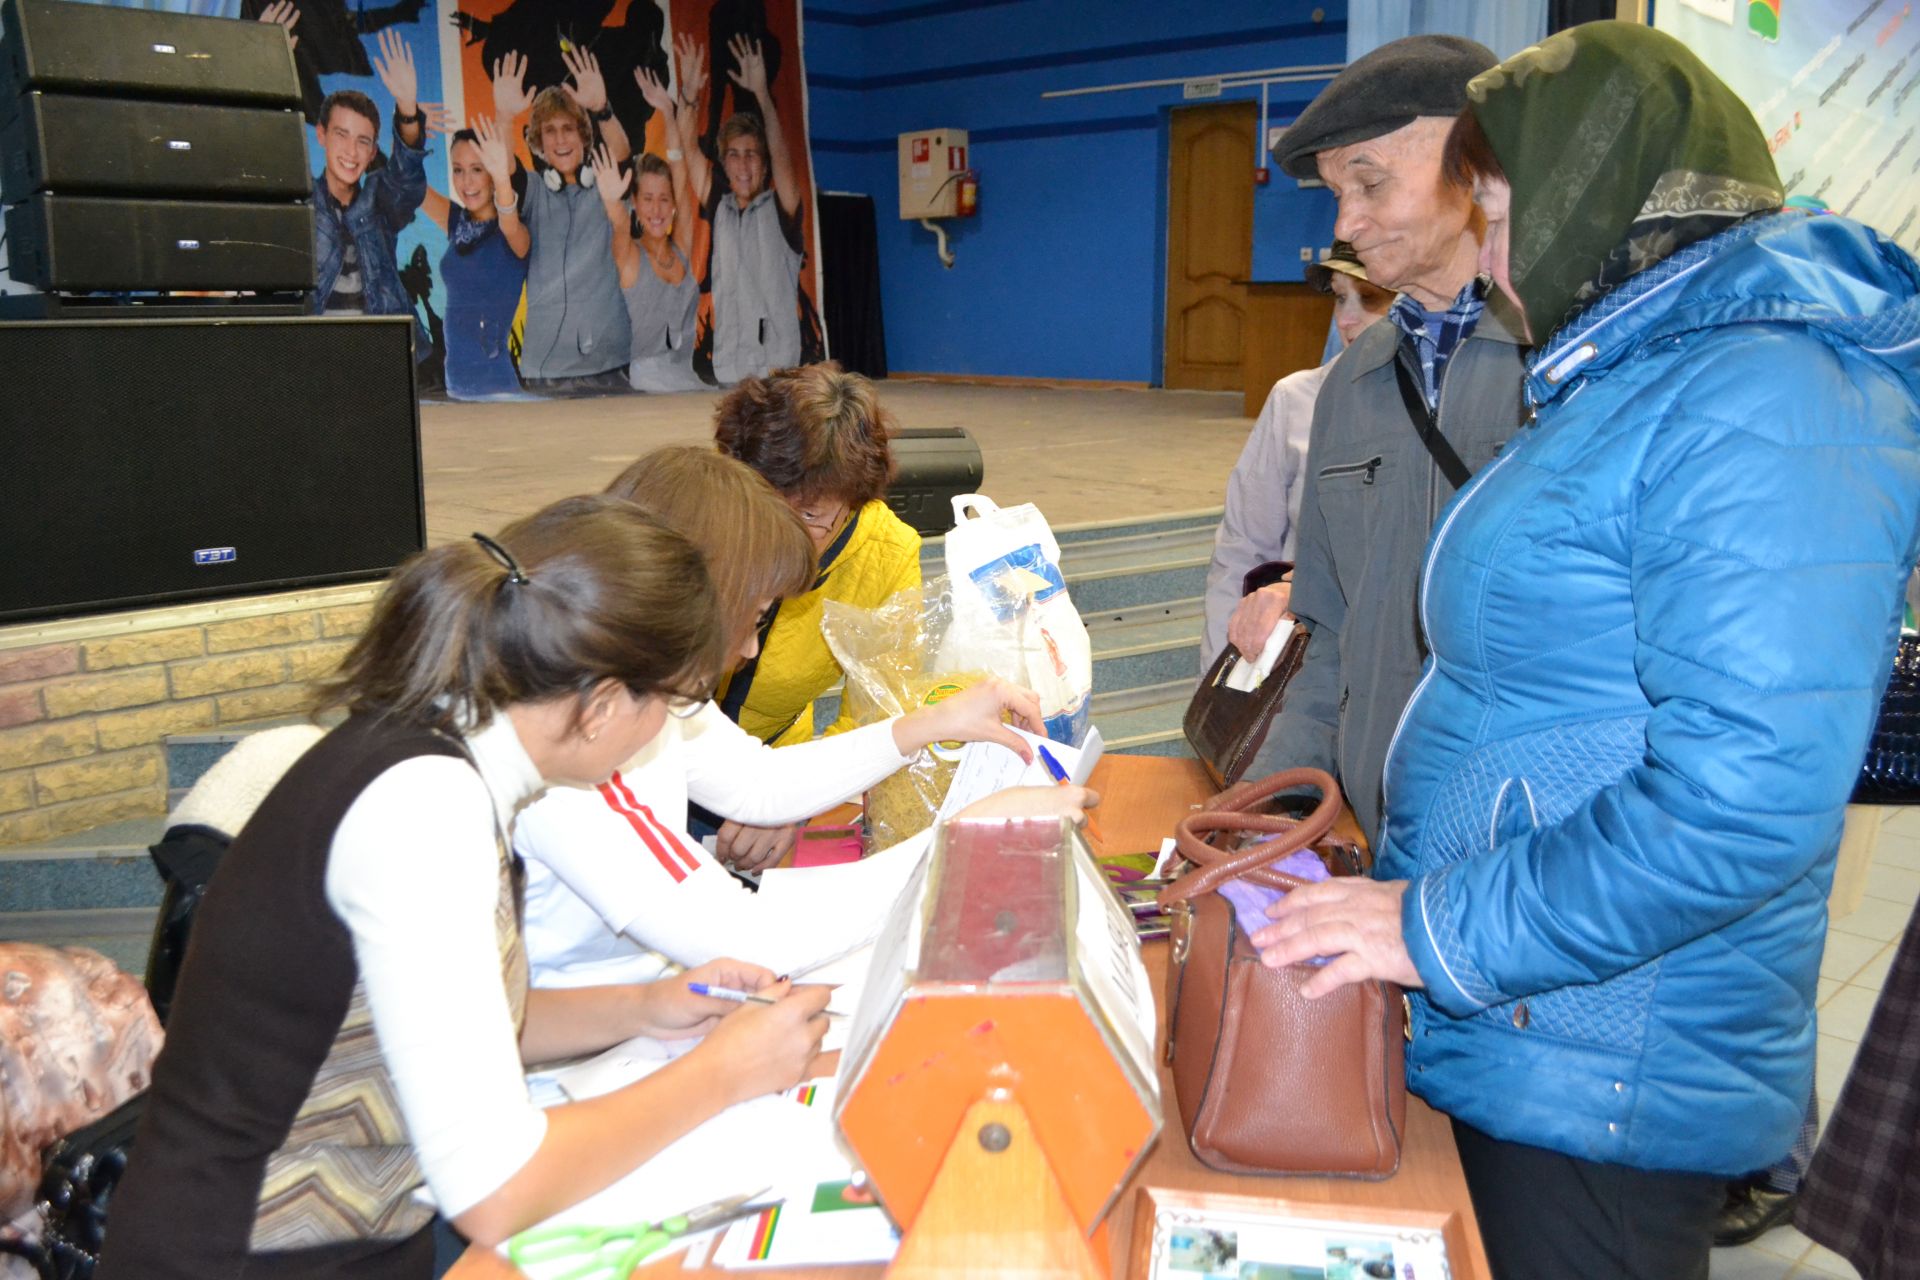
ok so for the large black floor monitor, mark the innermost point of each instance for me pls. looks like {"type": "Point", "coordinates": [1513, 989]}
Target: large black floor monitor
{"type": "Point", "coordinates": [144, 461]}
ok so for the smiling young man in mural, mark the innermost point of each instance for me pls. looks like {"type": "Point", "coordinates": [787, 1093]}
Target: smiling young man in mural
{"type": "Point", "coordinates": [754, 269]}
{"type": "Point", "coordinates": [362, 200]}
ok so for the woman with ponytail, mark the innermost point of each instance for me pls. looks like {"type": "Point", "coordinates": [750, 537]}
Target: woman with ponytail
{"type": "Point", "coordinates": [353, 1018]}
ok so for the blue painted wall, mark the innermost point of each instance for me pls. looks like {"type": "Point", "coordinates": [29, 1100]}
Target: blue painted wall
{"type": "Point", "coordinates": [1062, 273]}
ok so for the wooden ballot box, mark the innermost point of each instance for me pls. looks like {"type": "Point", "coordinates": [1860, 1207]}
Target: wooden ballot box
{"type": "Point", "coordinates": [1142, 798]}
{"type": "Point", "coordinates": [1008, 1014]}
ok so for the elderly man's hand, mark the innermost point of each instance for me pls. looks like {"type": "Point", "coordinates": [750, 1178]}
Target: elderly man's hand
{"type": "Point", "coordinates": [1351, 918]}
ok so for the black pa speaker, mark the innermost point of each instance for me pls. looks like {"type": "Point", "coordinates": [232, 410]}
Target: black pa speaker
{"type": "Point", "coordinates": [143, 53]}
{"type": "Point", "coordinates": [124, 146]}
{"type": "Point", "coordinates": [81, 243]}
{"type": "Point", "coordinates": [932, 466]}
{"type": "Point", "coordinates": [144, 461]}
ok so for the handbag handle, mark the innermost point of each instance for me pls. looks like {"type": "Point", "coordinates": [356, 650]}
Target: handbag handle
{"type": "Point", "coordinates": [1228, 811]}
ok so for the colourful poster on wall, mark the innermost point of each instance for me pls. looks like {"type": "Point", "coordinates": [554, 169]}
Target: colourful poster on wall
{"type": "Point", "coordinates": [570, 196]}
{"type": "Point", "coordinates": [1835, 85]}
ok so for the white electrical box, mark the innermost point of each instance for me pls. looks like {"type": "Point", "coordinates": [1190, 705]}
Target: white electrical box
{"type": "Point", "coordinates": [931, 162]}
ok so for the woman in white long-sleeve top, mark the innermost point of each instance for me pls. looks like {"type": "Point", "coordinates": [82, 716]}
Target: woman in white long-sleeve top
{"type": "Point", "coordinates": [354, 1017]}
{"type": "Point", "coordinates": [616, 888]}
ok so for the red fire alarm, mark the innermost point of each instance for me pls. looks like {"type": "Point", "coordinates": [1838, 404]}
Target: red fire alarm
{"type": "Point", "coordinates": [1262, 176]}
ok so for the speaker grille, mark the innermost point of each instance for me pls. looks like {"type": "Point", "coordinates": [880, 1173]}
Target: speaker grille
{"type": "Point", "coordinates": [131, 446]}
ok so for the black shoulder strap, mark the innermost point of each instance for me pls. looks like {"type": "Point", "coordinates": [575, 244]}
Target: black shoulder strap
{"type": "Point", "coordinates": [1427, 427]}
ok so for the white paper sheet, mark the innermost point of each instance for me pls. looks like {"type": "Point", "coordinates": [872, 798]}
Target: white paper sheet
{"type": "Point", "coordinates": [780, 1141]}
{"type": "Point", "coordinates": [1246, 676]}
{"type": "Point", "coordinates": [987, 768]}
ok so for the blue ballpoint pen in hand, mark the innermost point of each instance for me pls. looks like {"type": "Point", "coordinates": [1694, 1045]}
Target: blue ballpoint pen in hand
{"type": "Point", "coordinates": [741, 997]}
{"type": "Point", "coordinates": [1060, 778]}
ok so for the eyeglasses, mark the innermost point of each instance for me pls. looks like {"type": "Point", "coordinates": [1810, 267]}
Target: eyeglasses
{"type": "Point", "coordinates": [826, 521]}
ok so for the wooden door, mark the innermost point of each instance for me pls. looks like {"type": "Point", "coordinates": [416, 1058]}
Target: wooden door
{"type": "Point", "coordinates": [1209, 244]}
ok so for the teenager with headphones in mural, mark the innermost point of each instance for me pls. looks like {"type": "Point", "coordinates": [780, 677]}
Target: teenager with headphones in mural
{"type": "Point", "coordinates": [577, 338]}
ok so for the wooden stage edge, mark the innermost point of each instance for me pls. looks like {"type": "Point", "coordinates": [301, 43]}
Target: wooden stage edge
{"type": "Point", "coordinates": [1141, 799]}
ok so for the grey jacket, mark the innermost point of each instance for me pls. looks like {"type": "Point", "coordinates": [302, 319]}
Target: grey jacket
{"type": "Point", "coordinates": [1372, 496]}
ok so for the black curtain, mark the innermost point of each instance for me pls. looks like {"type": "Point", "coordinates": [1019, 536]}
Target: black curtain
{"type": "Point", "coordinates": [850, 274]}
{"type": "Point", "coordinates": [1562, 14]}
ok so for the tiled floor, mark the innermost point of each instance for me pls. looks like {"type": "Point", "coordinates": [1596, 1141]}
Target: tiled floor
{"type": "Point", "coordinates": [1859, 953]}
{"type": "Point", "coordinates": [1079, 454]}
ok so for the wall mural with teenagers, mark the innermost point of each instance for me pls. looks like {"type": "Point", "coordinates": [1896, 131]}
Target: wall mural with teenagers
{"type": "Point", "coordinates": [569, 196]}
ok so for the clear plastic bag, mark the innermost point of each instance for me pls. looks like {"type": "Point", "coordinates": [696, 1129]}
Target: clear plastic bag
{"type": "Point", "coordinates": [889, 655]}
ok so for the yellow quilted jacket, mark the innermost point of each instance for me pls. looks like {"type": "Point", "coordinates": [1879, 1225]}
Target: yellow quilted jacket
{"type": "Point", "coordinates": [874, 557]}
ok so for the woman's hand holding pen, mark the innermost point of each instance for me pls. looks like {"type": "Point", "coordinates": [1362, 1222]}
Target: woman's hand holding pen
{"type": "Point", "coordinates": [975, 714]}
{"type": "Point", "coordinates": [764, 1048]}
{"type": "Point", "coordinates": [673, 1011]}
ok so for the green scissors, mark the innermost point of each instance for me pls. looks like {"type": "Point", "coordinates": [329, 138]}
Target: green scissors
{"type": "Point", "coordinates": [616, 1251]}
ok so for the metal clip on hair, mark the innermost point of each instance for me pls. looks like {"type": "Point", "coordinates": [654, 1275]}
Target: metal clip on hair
{"type": "Point", "coordinates": [500, 553]}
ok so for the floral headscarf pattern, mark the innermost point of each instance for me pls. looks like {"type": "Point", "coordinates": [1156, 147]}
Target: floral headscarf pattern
{"type": "Point", "coordinates": [1621, 147]}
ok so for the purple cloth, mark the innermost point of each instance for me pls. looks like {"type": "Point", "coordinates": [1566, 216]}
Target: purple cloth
{"type": "Point", "coordinates": [1251, 900]}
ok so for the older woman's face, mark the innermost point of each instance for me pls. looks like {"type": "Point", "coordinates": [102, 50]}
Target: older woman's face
{"type": "Point", "coordinates": [822, 516]}
{"type": "Point", "coordinates": [1495, 199]}
{"type": "Point", "coordinates": [1356, 305]}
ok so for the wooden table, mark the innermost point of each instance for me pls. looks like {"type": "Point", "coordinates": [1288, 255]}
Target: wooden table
{"type": "Point", "coordinates": [1141, 798]}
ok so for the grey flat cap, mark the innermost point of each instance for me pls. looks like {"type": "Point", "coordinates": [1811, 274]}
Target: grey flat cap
{"type": "Point", "coordinates": [1381, 91]}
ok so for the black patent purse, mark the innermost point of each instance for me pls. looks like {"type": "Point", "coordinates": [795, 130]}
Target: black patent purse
{"type": "Point", "coordinates": [1891, 772]}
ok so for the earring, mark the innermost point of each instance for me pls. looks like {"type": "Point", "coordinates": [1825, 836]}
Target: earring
{"type": "Point", "coordinates": [594, 736]}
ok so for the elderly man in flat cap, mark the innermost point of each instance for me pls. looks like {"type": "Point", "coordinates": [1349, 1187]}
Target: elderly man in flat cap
{"type": "Point", "coordinates": [1407, 413]}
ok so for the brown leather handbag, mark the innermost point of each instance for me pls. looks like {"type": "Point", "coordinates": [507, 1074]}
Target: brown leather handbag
{"type": "Point", "coordinates": [1269, 1081]}
{"type": "Point", "coordinates": [1226, 727]}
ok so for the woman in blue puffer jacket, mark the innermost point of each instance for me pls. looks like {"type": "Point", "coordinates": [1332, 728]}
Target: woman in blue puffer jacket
{"type": "Point", "coordinates": [1660, 623]}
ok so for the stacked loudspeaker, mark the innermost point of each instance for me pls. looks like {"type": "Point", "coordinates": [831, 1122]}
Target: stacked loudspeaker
{"type": "Point", "coordinates": [170, 426]}
{"type": "Point", "coordinates": [143, 152]}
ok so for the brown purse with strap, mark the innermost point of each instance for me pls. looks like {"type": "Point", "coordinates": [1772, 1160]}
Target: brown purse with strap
{"type": "Point", "coordinates": [1226, 727]}
{"type": "Point", "coordinates": [1267, 1080]}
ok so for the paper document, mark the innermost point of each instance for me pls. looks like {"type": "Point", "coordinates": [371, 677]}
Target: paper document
{"type": "Point", "coordinates": [783, 1140]}
{"type": "Point", "coordinates": [1245, 676]}
{"type": "Point", "coordinates": [815, 913]}
{"type": "Point", "coordinates": [825, 1215]}
{"type": "Point", "coordinates": [987, 768]}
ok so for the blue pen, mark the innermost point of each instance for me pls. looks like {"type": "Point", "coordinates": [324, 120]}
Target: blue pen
{"type": "Point", "coordinates": [728, 993]}
{"type": "Point", "coordinates": [1060, 778]}
{"type": "Point", "coordinates": [740, 997]}
{"type": "Point", "coordinates": [1053, 765]}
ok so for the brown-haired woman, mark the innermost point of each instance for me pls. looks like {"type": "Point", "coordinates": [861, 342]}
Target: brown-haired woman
{"type": "Point", "coordinates": [613, 882]}
{"type": "Point", "coordinates": [652, 250]}
{"type": "Point", "coordinates": [354, 1013]}
{"type": "Point", "coordinates": [819, 436]}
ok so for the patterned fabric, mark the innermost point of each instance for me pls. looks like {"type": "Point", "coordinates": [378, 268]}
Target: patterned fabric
{"type": "Point", "coordinates": [1792, 1170]}
{"type": "Point", "coordinates": [1861, 1197]}
{"type": "Point", "coordinates": [1434, 349]}
{"type": "Point", "coordinates": [1620, 147]}
{"type": "Point", "coordinates": [347, 1169]}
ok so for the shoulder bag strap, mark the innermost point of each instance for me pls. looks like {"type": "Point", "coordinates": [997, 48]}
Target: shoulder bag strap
{"type": "Point", "coordinates": [1427, 426]}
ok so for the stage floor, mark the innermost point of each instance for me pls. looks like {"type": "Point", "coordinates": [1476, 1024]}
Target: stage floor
{"type": "Point", "coordinates": [1081, 455]}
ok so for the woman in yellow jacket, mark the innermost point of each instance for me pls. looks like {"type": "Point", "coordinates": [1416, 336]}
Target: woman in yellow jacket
{"type": "Point", "coordinates": [819, 436]}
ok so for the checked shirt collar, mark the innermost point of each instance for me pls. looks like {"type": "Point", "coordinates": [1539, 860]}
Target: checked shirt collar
{"type": "Point", "coordinates": [1435, 335]}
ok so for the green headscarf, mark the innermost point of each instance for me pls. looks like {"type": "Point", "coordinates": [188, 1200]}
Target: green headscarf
{"type": "Point", "coordinates": [1621, 147]}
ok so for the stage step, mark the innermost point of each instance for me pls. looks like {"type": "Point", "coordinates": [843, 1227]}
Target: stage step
{"type": "Point", "coordinates": [1137, 583]}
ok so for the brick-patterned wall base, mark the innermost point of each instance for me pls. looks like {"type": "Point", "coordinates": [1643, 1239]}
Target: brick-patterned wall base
{"type": "Point", "coordinates": [85, 702]}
